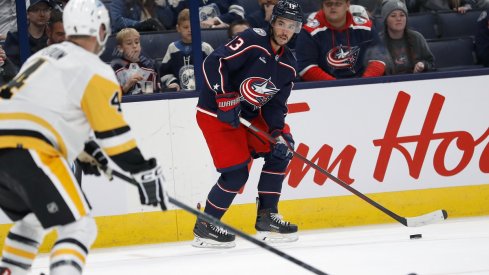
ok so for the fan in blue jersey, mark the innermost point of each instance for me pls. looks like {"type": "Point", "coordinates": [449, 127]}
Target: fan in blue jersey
{"type": "Point", "coordinates": [177, 69]}
{"type": "Point", "coordinates": [337, 44]}
{"type": "Point", "coordinates": [250, 77]}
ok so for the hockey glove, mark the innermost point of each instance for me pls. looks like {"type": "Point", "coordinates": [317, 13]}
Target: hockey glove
{"type": "Point", "coordinates": [92, 159]}
{"type": "Point", "coordinates": [150, 185]}
{"type": "Point", "coordinates": [229, 108]}
{"type": "Point", "coordinates": [284, 144]}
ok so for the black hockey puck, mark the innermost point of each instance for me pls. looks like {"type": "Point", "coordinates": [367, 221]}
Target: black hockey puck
{"type": "Point", "coordinates": [415, 236]}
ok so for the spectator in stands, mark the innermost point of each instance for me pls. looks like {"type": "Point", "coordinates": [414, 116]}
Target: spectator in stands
{"type": "Point", "coordinates": [38, 14]}
{"type": "Point", "coordinates": [142, 15]}
{"type": "Point", "coordinates": [460, 6]}
{"type": "Point", "coordinates": [215, 13]}
{"type": "Point", "coordinates": [261, 17]}
{"type": "Point", "coordinates": [135, 72]}
{"type": "Point", "coordinates": [408, 50]}
{"type": "Point", "coordinates": [55, 30]}
{"type": "Point", "coordinates": [237, 27]}
{"type": "Point", "coordinates": [335, 44]}
{"type": "Point", "coordinates": [7, 68]}
{"type": "Point", "coordinates": [482, 39]}
{"type": "Point", "coordinates": [177, 69]}
{"type": "Point", "coordinates": [8, 19]}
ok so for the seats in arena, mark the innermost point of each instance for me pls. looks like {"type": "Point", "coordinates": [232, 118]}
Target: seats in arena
{"type": "Point", "coordinates": [424, 23]}
{"type": "Point", "coordinates": [453, 53]}
{"type": "Point", "coordinates": [154, 44]}
{"type": "Point", "coordinates": [452, 24]}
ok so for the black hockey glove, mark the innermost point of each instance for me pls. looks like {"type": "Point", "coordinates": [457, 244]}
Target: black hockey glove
{"type": "Point", "coordinates": [229, 108]}
{"type": "Point", "coordinates": [92, 159]}
{"type": "Point", "coordinates": [284, 144]}
{"type": "Point", "coordinates": [150, 185]}
{"type": "Point", "coordinates": [150, 24]}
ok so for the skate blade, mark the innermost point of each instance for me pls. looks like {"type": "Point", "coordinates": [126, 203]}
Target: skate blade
{"type": "Point", "coordinates": [273, 237]}
{"type": "Point", "coordinates": [207, 243]}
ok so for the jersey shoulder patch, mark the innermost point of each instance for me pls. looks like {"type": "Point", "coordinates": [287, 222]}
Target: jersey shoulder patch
{"type": "Point", "coordinates": [358, 20]}
{"type": "Point", "coordinates": [259, 31]}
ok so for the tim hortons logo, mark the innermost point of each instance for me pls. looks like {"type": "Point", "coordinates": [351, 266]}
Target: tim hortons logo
{"type": "Point", "coordinates": [391, 142]}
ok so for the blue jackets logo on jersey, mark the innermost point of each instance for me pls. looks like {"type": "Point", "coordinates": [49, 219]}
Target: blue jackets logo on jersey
{"type": "Point", "coordinates": [257, 90]}
{"type": "Point", "coordinates": [343, 57]}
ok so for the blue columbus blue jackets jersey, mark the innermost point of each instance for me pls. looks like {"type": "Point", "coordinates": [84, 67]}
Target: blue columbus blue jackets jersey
{"type": "Point", "coordinates": [177, 64]}
{"type": "Point", "coordinates": [340, 53]}
{"type": "Point", "coordinates": [248, 65]}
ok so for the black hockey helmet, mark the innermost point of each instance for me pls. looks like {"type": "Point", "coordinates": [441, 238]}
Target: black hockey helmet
{"type": "Point", "coordinates": [288, 9]}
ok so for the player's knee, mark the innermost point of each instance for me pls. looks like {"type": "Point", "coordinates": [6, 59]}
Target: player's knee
{"type": "Point", "coordinates": [83, 230]}
{"type": "Point", "coordinates": [29, 227]}
{"type": "Point", "coordinates": [234, 180]}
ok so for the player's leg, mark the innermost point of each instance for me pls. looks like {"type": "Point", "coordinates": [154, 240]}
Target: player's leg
{"type": "Point", "coordinates": [228, 147]}
{"type": "Point", "coordinates": [22, 242]}
{"type": "Point", "coordinates": [46, 184]}
{"type": "Point", "coordinates": [269, 224]}
{"type": "Point", "coordinates": [70, 216]}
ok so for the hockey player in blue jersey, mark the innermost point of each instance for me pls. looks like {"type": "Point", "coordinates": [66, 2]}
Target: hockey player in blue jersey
{"type": "Point", "coordinates": [250, 77]}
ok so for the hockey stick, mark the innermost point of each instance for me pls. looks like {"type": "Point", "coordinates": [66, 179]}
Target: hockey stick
{"type": "Point", "coordinates": [217, 222]}
{"type": "Point", "coordinates": [432, 217]}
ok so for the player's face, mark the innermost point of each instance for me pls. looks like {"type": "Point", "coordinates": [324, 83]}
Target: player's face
{"type": "Point", "coordinates": [185, 31]}
{"type": "Point", "coordinates": [396, 21]}
{"type": "Point", "coordinates": [283, 30]}
{"type": "Point", "coordinates": [56, 33]}
{"type": "Point", "coordinates": [39, 14]}
{"type": "Point", "coordinates": [335, 10]}
{"type": "Point", "coordinates": [131, 47]}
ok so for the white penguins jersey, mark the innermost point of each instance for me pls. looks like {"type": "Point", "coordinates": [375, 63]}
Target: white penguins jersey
{"type": "Point", "coordinates": [60, 94]}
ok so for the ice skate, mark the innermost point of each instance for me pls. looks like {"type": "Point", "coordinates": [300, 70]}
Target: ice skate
{"type": "Point", "coordinates": [211, 236]}
{"type": "Point", "coordinates": [272, 228]}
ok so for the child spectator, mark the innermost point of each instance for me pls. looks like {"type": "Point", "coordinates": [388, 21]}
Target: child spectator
{"type": "Point", "coordinates": [482, 39]}
{"type": "Point", "coordinates": [176, 68]}
{"type": "Point", "coordinates": [237, 27]}
{"type": "Point", "coordinates": [408, 50]}
{"type": "Point", "coordinates": [214, 13]}
{"type": "Point", "coordinates": [135, 72]}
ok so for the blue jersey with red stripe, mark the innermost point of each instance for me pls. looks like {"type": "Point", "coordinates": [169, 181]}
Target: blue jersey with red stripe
{"type": "Point", "coordinates": [248, 65]}
{"type": "Point", "coordinates": [340, 53]}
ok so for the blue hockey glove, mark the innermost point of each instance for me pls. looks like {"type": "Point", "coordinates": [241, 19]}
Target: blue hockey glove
{"type": "Point", "coordinates": [150, 185]}
{"type": "Point", "coordinates": [229, 108]}
{"type": "Point", "coordinates": [284, 144]}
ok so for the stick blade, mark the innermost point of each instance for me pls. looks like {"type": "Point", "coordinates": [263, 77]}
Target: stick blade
{"type": "Point", "coordinates": [433, 217]}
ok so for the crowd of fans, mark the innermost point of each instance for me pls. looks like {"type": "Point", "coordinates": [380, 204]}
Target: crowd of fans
{"type": "Point", "coordinates": [338, 40]}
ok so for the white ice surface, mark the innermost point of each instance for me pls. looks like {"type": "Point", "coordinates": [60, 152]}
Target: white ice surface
{"type": "Point", "coordinates": [455, 247]}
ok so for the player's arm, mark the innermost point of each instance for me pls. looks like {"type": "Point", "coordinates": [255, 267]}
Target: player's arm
{"type": "Point", "coordinates": [218, 69]}
{"type": "Point", "coordinates": [101, 105]}
{"type": "Point", "coordinates": [274, 113]}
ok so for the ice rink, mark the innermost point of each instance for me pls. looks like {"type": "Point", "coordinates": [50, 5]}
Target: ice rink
{"type": "Point", "coordinates": [453, 247]}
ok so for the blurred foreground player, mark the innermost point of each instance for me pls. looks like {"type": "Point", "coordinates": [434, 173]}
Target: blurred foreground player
{"type": "Point", "coordinates": [250, 77]}
{"type": "Point", "coordinates": [46, 113]}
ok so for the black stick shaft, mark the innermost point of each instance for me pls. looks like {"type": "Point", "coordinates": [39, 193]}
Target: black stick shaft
{"type": "Point", "coordinates": [233, 230]}
{"type": "Point", "coordinates": [393, 215]}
